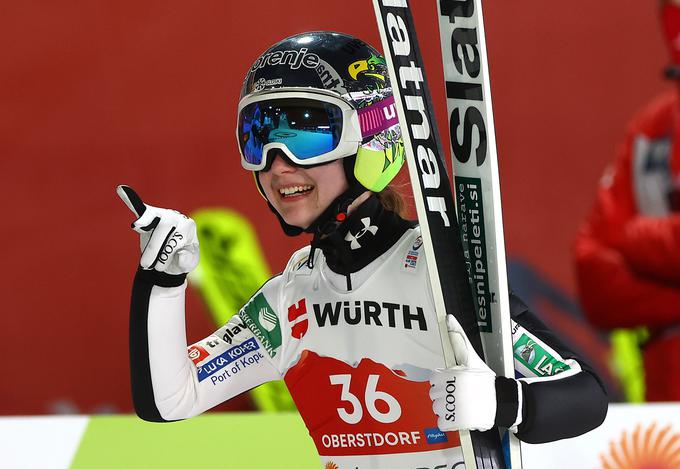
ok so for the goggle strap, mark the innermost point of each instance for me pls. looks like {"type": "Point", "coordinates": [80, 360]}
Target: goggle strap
{"type": "Point", "coordinates": [377, 117]}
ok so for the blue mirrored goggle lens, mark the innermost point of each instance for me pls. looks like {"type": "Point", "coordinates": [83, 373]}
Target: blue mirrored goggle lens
{"type": "Point", "coordinates": [307, 127]}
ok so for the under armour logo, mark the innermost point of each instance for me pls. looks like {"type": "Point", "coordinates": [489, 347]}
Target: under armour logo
{"type": "Point", "coordinates": [353, 239]}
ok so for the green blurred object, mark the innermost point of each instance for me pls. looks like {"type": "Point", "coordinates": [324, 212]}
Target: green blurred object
{"type": "Point", "coordinates": [233, 440]}
{"type": "Point", "coordinates": [232, 268]}
{"type": "Point", "coordinates": [627, 361]}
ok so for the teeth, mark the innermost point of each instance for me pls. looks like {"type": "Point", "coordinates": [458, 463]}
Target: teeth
{"type": "Point", "coordinates": [286, 191]}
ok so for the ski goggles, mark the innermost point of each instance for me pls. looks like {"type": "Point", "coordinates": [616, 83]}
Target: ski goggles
{"type": "Point", "coordinates": [309, 127]}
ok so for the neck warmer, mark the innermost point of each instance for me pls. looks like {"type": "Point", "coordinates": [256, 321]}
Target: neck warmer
{"type": "Point", "coordinates": [367, 233]}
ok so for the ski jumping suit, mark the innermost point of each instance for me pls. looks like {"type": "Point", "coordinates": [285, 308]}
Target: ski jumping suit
{"type": "Point", "coordinates": [628, 251]}
{"type": "Point", "coordinates": [353, 333]}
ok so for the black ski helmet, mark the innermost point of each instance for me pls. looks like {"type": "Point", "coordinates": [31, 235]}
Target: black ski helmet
{"type": "Point", "coordinates": [357, 73]}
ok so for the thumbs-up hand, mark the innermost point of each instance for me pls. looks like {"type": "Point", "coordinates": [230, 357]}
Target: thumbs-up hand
{"type": "Point", "coordinates": [463, 396]}
{"type": "Point", "coordinates": [168, 238]}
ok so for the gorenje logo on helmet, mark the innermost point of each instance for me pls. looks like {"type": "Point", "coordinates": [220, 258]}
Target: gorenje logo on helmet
{"type": "Point", "coordinates": [293, 58]}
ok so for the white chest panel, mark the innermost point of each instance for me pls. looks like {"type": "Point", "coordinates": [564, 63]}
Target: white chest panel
{"type": "Point", "coordinates": [387, 317]}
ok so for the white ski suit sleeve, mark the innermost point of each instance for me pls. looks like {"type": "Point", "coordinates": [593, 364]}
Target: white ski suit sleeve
{"type": "Point", "coordinates": [171, 381]}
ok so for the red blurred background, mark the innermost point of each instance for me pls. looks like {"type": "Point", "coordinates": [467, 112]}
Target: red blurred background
{"type": "Point", "coordinates": [97, 93]}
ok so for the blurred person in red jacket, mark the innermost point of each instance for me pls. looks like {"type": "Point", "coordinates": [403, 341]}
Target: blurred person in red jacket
{"type": "Point", "coordinates": [628, 251]}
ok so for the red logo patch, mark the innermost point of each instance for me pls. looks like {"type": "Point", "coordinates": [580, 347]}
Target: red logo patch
{"type": "Point", "coordinates": [297, 318]}
{"type": "Point", "coordinates": [197, 354]}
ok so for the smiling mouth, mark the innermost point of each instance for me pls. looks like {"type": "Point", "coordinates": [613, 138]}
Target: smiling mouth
{"type": "Point", "coordinates": [292, 191]}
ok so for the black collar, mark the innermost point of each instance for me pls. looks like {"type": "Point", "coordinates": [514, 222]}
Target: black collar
{"type": "Point", "coordinates": [364, 236]}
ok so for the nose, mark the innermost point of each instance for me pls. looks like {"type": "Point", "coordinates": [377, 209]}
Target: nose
{"type": "Point", "coordinates": [280, 164]}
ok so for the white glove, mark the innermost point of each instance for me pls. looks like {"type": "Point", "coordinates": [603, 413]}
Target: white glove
{"type": "Point", "coordinates": [463, 396]}
{"type": "Point", "coordinates": [168, 238]}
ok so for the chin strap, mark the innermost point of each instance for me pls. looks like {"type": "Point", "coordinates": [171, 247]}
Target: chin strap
{"type": "Point", "coordinates": [336, 212]}
{"type": "Point", "coordinates": [329, 220]}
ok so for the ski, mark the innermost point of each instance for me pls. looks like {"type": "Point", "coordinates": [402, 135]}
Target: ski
{"type": "Point", "coordinates": [434, 203]}
{"type": "Point", "coordinates": [475, 169]}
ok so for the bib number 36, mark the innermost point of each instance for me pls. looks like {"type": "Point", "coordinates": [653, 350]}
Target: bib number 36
{"type": "Point", "coordinates": [371, 397]}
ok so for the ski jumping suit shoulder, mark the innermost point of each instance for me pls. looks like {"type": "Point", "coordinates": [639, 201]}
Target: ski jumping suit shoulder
{"type": "Point", "coordinates": [628, 251]}
{"type": "Point", "coordinates": [350, 326]}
